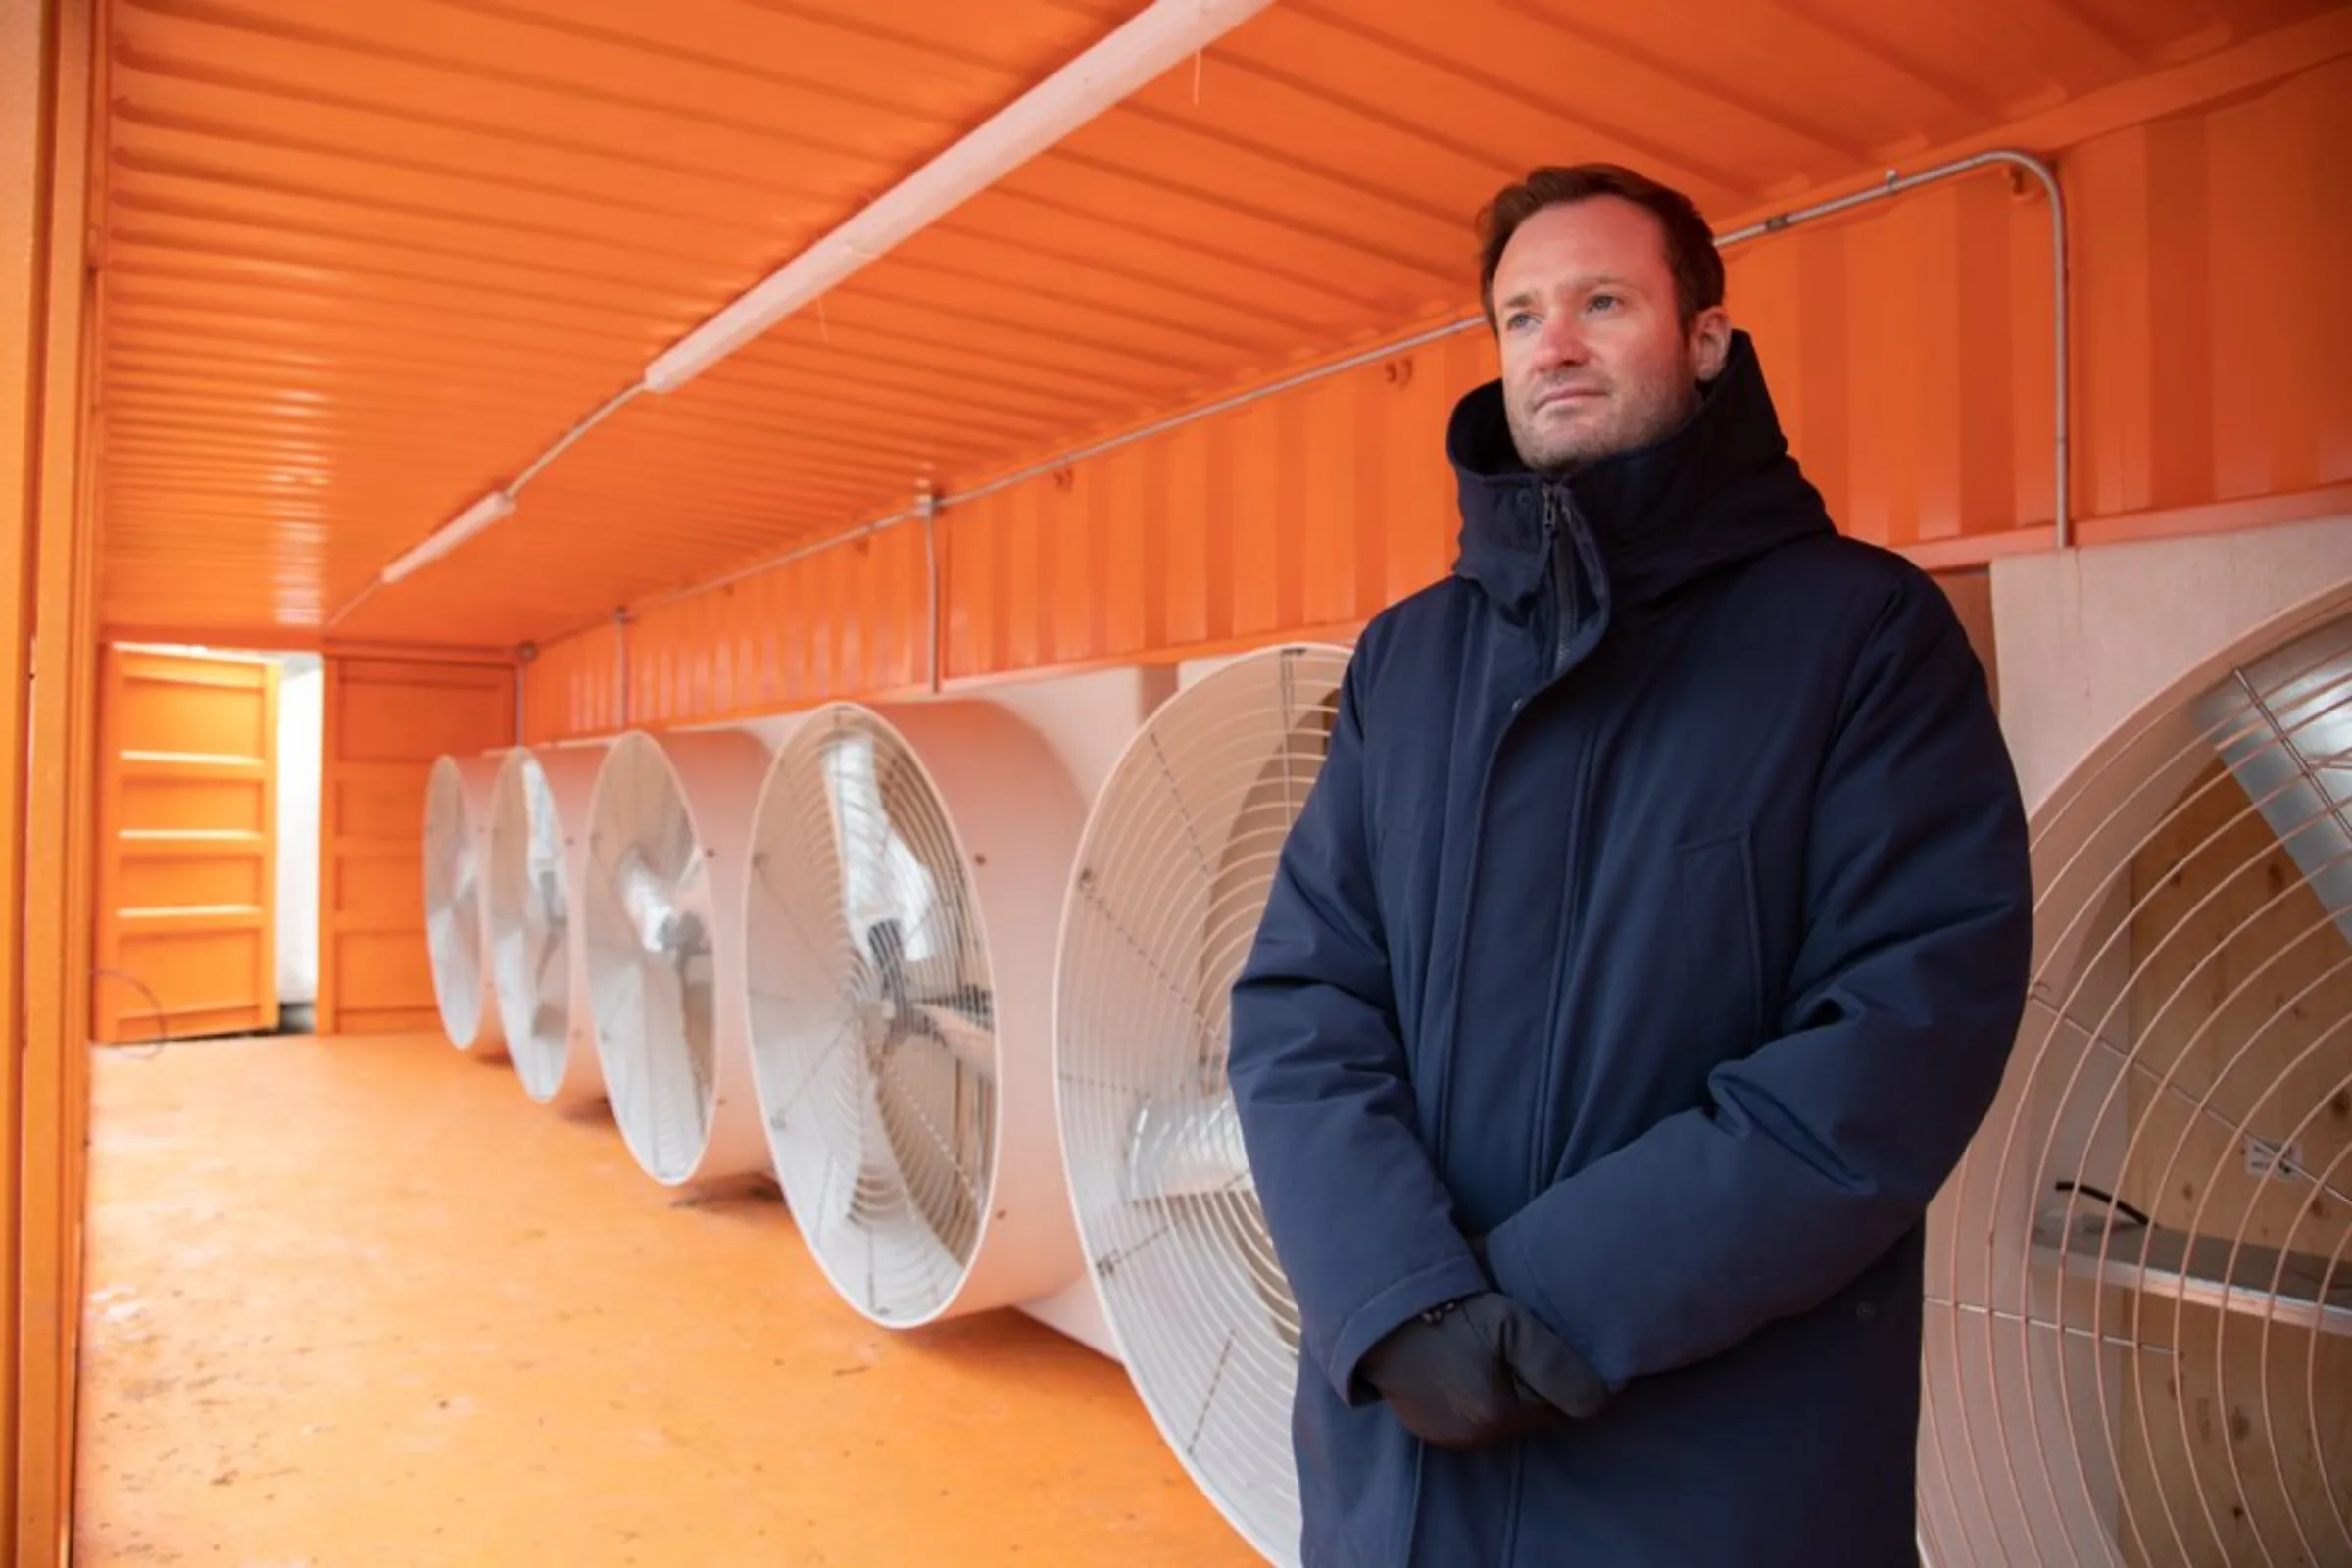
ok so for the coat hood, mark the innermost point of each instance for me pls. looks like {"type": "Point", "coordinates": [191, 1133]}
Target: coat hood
{"type": "Point", "coordinates": [1720, 490]}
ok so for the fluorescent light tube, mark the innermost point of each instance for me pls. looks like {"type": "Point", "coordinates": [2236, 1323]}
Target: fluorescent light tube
{"type": "Point", "coordinates": [1153, 42]}
{"type": "Point", "coordinates": [451, 534]}
{"type": "Point", "coordinates": [1156, 39]}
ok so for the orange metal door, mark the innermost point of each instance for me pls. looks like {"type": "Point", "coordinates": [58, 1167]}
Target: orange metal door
{"type": "Point", "coordinates": [187, 862]}
{"type": "Point", "coordinates": [386, 720]}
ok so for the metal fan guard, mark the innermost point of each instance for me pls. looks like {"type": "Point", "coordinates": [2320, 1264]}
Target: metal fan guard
{"type": "Point", "coordinates": [651, 960]}
{"type": "Point", "coordinates": [453, 904]}
{"type": "Point", "coordinates": [530, 920]}
{"type": "Point", "coordinates": [2140, 1329]}
{"type": "Point", "coordinates": [871, 1016]}
{"type": "Point", "coordinates": [1178, 856]}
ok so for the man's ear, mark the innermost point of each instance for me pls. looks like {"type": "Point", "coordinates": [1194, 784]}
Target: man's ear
{"type": "Point", "coordinates": [1711, 341]}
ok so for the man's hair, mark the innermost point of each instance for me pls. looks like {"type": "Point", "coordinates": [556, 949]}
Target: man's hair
{"type": "Point", "coordinates": [1690, 253]}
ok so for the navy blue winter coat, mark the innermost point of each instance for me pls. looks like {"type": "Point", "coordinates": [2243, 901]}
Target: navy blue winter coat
{"type": "Point", "coordinates": [1662, 910]}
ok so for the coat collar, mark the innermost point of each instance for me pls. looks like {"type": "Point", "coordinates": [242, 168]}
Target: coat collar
{"type": "Point", "coordinates": [1721, 489]}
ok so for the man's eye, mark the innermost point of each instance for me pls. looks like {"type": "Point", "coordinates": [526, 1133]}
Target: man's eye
{"type": "Point", "coordinates": [1601, 302]}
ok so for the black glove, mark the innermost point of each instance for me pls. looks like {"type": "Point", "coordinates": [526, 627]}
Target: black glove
{"type": "Point", "coordinates": [1481, 1371]}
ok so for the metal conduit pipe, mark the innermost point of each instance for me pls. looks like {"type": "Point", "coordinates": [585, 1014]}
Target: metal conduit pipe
{"type": "Point", "coordinates": [2061, 515]}
{"type": "Point", "coordinates": [928, 508]}
{"type": "Point", "coordinates": [1109, 72]}
{"type": "Point", "coordinates": [525, 657]}
{"type": "Point", "coordinates": [926, 505]}
{"type": "Point", "coordinates": [621, 669]}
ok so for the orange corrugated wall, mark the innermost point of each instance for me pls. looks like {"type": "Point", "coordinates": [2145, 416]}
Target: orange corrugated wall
{"type": "Point", "coordinates": [386, 721]}
{"type": "Point", "coordinates": [1909, 349]}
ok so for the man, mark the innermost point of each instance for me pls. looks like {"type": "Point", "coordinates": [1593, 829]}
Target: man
{"type": "Point", "coordinates": [1647, 954]}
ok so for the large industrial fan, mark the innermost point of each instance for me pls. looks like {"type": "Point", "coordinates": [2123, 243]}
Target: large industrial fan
{"type": "Point", "coordinates": [667, 858]}
{"type": "Point", "coordinates": [2139, 1330]}
{"type": "Point", "coordinates": [906, 867]}
{"type": "Point", "coordinates": [538, 864]}
{"type": "Point", "coordinates": [1170, 881]}
{"type": "Point", "coordinates": [457, 831]}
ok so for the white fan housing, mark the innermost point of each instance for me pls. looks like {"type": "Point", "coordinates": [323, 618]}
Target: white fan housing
{"type": "Point", "coordinates": [908, 863]}
{"type": "Point", "coordinates": [666, 860]}
{"type": "Point", "coordinates": [457, 835]}
{"type": "Point", "coordinates": [2139, 1280]}
{"type": "Point", "coordinates": [1171, 879]}
{"type": "Point", "coordinates": [538, 938]}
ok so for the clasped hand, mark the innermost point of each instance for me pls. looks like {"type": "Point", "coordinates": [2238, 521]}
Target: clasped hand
{"type": "Point", "coordinates": [1483, 1372]}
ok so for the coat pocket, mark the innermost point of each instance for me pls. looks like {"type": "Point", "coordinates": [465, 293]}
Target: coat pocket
{"type": "Point", "coordinates": [1723, 962]}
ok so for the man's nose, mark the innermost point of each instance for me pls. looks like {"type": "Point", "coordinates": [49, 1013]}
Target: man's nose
{"type": "Point", "coordinates": [1562, 342]}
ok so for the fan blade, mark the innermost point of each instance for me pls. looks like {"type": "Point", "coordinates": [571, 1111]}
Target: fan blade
{"type": "Point", "coordinates": [649, 906]}
{"type": "Point", "coordinates": [972, 1045]}
{"type": "Point", "coordinates": [937, 1116]}
{"type": "Point", "coordinates": [1186, 1146]}
{"type": "Point", "coordinates": [547, 961]}
{"type": "Point", "coordinates": [2290, 749]}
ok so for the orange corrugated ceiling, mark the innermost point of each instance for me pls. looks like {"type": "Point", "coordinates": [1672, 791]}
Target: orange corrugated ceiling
{"type": "Point", "coordinates": [364, 262]}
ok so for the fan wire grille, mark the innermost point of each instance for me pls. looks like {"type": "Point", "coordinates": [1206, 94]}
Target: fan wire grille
{"type": "Point", "coordinates": [453, 904]}
{"type": "Point", "coordinates": [1180, 853]}
{"type": "Point", "coordinates": [2140, 1332]}
{"type": "Point", "coordinates": [650, 958]}
{"type": "Point", "coordinates": [530, 924]}
{"type": "Point", "coordinates": [872, 1018]}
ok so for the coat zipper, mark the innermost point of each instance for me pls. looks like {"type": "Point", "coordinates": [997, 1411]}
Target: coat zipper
{"type": "Point", "coordinates": [1558, 518]}
{"type": "Point", "coordinates": [1558, 511]}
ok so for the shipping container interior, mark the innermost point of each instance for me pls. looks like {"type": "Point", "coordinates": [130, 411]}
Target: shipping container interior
{"type": "Point", "coordinates": [521, 513]}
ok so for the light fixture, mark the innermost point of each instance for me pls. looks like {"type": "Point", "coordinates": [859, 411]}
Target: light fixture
{"type": "Point", "coordinates": [1156, 39]}
{"type": "Point", "coordinates": [452, 534]}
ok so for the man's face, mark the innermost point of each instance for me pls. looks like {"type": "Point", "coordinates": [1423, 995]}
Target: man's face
{"type": "Point", "coordinates": [1595, 358]}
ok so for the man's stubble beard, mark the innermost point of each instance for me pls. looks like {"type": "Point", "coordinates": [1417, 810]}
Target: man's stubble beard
{"type": "Point", "coordinates": [1658, 416]}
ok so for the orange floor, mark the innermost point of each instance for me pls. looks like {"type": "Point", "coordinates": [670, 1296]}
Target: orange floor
{"type": "Point", "coordinates": [360, 1302]}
